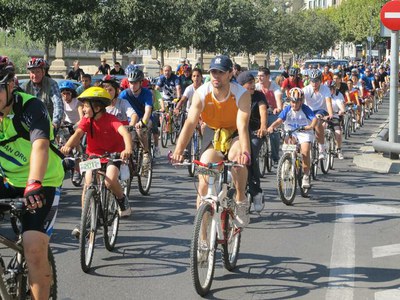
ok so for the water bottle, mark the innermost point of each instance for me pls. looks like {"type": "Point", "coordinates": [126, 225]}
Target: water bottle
{"type": "Point", "coordinates": [124, 172]}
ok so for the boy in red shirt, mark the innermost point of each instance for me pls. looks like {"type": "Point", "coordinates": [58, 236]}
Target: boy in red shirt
{"type": "Point", "coordinates": [105, 133]}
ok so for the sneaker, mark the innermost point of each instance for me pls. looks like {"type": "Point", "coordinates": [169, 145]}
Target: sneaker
{"type": "Point", "coordinates": [157, 152]}
{"type": "Point", "coordinates": [242, 213]}
{"type": "Point", "coordinates": [322, 154]}
{"type": "Point", "coordinates": [305, 183]}
{"type": "Point", "coordinates": [258, 202]}
{"type": "Point", "coordinates": [358, 126]}
{"type": "Point", "coordinates": [76, 177]}
{"type": "Point", "coordinates": [76, 232]}
{"type": "Point", "coordinates": [124, 208]}
{"type": "Point", "coordinates": [340, 154]}
{"type": "Point", "coordinates": [275, 164]}
{"type": "Point", "coordinates": [202, 253]}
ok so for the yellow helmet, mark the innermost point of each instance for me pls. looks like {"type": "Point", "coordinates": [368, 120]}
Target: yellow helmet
{"type": "Point", "coordinates": [96, 94]}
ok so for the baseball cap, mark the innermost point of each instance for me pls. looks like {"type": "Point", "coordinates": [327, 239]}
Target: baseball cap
{"type": "Point", "coordinates": [222, 63]}
{"type": "Point", "coordinates": [244, 77]}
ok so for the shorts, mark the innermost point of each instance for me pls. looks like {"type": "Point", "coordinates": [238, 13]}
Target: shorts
{"type": "Point", "coordinates": [44, 218]}
{"type": "Point", "coordinates": [208, 137]}
{"type": "Point", "coordinates": [321, 112]}
{"type": "Point", "coordinates": [304, 137]}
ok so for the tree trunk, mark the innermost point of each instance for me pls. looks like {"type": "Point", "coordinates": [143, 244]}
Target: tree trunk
{"type": "Point", "coordinates": [202, 59]}
{"type": "Point", "coordinates": [114, 56]}
{"type": "Point", "coordinates": [248, 61]}
{"type": "Point", "coordinates": [46, 50]}
{"type": "Point", "coordinates": [162, 57]}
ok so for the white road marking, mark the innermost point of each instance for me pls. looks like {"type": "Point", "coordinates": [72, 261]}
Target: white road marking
{"type": "Point", "coordinates": [388, 250]}
{"type": "Point", "coordinates": [370, 209]}
{"type": "Point", "coordinates": [341, 274]}
{"type": "Point", "coordinates": [388, 295]}
{"type": "Point", "coordinates": [392, 15]}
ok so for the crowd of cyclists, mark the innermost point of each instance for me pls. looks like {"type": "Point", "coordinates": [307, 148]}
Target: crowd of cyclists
{"type": "Point", "coordinates": [235, 110]}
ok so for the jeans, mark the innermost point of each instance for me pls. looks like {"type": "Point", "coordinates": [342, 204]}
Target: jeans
{"type": "Point", "coordinates": [274, 138]}
{"type": "Point", "coordinates": [254, 170]}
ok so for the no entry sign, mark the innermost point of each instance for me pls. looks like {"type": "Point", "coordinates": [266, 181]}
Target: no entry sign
{"type": "Point", "coordinates": [390, 15]}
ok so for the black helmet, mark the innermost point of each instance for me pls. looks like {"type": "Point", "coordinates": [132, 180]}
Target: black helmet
{"type": "Point", "coordinates": [293, 72]}
{"type": "Point", "coordinates": [135, 75]}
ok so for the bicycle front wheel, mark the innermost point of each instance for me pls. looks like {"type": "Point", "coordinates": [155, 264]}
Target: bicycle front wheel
{"type": "Point", "coordinates": [325, 161]}
{"type": "Point", "coordinates": [88, 230]}
{"type": "Point", "coordinates": [164, 132]}
{"type": "Point", "coordinates": [202, 250]}
{"type": "Point", "coordinates": [111, 221]}
{"type": "Point", "coordinates": [175, 129]}
{"type": "Point", "coordinates": [232, 237]}
{"type": "Point", "coordinates": [286, 179]}
{"type": "Point", "coordinates": [262, 158]}
{"type": "Point", "coordinates": [145, 176]}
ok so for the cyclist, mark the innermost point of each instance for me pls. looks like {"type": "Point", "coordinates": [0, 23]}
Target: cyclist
{"type": "Point", "coordinates": [45, 89]}
{"type": "Point", "coordinates": [338, 111]}
{"type": "Point", "coordinates": [105, 134]}
{"type": "Point", "coordinates": [169, 84]}
{"type": "Point", "coordinates": [258, 129]}
{"type": "Point", "coordinates": [273, 93]}
{"type": "Point", "coordinates": [383, 79]}
{"type": "Point", "coordinates": [72, 107]}
{"type": "Point", "coordinates": [368, 87]}
{"type": "Point", "coordinates": [318, 97]}
{"type": "Point", "coordinates": [341, 86]}
{"type": "Point", "coordinates": [185, 78]}
{"type": "Point", "coordinates": [76, 72]}
{"type": "Point", "coordinates": [30, 168]}
{"type": "Point", "coordinates": [225, 107]}
{"type": "Point", "coordinates": [86, 83]}
{"type": "Point", "coordinates": [296, 115]}
{"type": "Point", "coordinates": [293, 81]}
{"type": "Point", "coordinates": [157, 98]}
{"type": "Point", "coordinates": [326, 74]}
{"type": "Point", "coordinates": [141, 99]}
{"type": "Point", "coordinates": [104, 68]}
{"type": "Point", "coordinates": [118, 107]}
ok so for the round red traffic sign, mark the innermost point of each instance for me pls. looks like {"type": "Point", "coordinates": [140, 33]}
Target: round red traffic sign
{"type": "Point", "coordinates": [390, 15]}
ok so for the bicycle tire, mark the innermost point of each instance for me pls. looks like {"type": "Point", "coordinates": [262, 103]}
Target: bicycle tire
{"type": "Point", "coordinates": [347, 128]}
{"type": "Point", "coordinates": [144, 176]}
{"type": "Point", "coordinates": [333, 152]}
{"type": "Point", "coordinates": [194, 152]}
{"type": "Point", "coordinates": [262, 156]}
{"type": "Point", "coordinates": [88, 229]}
{"type": "Point", "coordinates": [111, 221]}
{"type": "Point", "coordinates": [268, 156]}
{"type": "Point", "coordinates": [164, 132]}
{"type": "Point", "coordinates": [202, 260]}
{"type": "Point", "coordinates": [314, 160]}
{"type": "Point", "coordinates": [286, 179]}
{"type": "Point", "coordinates": [175, 129]}
{"type": "Point", "coordinates": [23, 287]}
{"type": "Point", "coordinates": [325, 161]}
{"type": "Point", "coordinates": [232, 237]}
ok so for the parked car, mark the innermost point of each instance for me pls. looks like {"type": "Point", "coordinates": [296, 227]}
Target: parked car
{"type": "Point", "coordinates": [315, 62]}
{"type": "Point", "coordinates": [58, 80]}
{"type": "Point", "coordinates": [336, 62]}
{"type": "Point", "coordinates": [274, 74]}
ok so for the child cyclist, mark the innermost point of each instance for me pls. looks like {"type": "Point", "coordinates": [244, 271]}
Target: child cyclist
{"type": "Point", "coordinates": [296, 115]}
{"type": "Point", "coordinates": [105, 133]}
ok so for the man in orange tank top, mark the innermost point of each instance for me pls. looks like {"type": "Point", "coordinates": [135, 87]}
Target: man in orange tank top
{"type": "Point", "coordinates": [222, 104]}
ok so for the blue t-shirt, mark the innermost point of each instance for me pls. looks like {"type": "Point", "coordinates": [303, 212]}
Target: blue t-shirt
{"type": "Point", "coordinates": [368, 80]}
{"type": "Point", "coordinates": [168, 86]}
{"type": "Point", "coordinates": [294, 119]}
{"type": "Point", "coordinates": [138, 103]}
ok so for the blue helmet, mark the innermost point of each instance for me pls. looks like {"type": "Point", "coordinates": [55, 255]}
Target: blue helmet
{"type": "Point", "coordinates": [67, 86]}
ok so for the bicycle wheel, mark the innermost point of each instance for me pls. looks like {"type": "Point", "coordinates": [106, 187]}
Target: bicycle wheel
{"type": "Point", "coordinates": [194, 152]}
{"type": "Point", "coordinates": [22, 284]}
{"type": "Point", "coordinates": [111, 220]}
{"type": "Point", "coordinates": [145, 176]}
{"type": "Point", "coordinates": [268, 155]}
{"type": "Point", "coordinates": [347, 127]}
{"type": "Point", "coordinates": [88, 228]}
{"type": "Point", "coordinates": [332, 148]}
{"type": "Point", "coordinates": [164, 132]}
{"type": "Point", "coordinates": [175, 129]}
{"type": "Point", "coordinates": [314, 160]}
{"type": "Point", "coordinates": [232, 237]}
{"type": "Point", "coordinates": [286, 179]}
{"type": "Point", "coordinates": [202, 250]}
{"type": "Point", "coordinates": [325, 161]}
{"type": "Point", "coordinates": [262, 157]}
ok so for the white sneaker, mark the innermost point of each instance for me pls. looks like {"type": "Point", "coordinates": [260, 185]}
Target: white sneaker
{"type": "Point", "coordinates": [340, 154]}
{"type": "Point", "coordinates": [358, 126]}
{"type": "Point", "coordinates": [157, 152]}
{"type": "Point", "coordinates": [242, 213]}
{"type": "Point", "coordinates": [258, 202]}
{"type": "Point", "coordinates": [124, 208]}
{"type": "Point", "coordinates": [322, 154]}
{"type": "Point", "coordinates": [305, 183]}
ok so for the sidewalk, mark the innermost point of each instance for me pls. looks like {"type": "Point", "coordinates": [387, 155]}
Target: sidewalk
{"type": "Point", "coordinates": [367, 158]}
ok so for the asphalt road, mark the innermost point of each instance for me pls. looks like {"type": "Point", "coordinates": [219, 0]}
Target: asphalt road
{"type": "Point", "coordinates": [342, 243]}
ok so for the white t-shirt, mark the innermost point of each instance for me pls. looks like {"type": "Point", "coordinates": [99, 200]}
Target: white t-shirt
{"type": "Point", "coordinates": [336, 100]}
{"type": "Point", "coordinates": [316, 100]}
{"type": "Point", "coordinates": [189, 92]}
{"type": "Point", "coordinates": [122, 110]}
{"type": "Point", "coordinates": [71, 111]}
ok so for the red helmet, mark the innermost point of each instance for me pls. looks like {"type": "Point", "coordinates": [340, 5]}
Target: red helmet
{"type": "Point", "coordinates": [36, 63]}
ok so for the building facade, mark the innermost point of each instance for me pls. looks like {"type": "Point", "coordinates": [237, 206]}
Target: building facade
{"type": "Point", "coordinates": [312, 4]}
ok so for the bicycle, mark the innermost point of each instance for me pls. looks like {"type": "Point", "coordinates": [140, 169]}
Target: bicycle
{"type": "Point", "coordinates": [100, 209]}
{"type": "Point", "coordinates": [193, 150]}
{"type": "Point", "coordinates": [170, 125]}
{"type": "Point", "coordinates": [289, 172]}
{"type": "Point", "coordinates": [327, 163]}
{"type": "Point", "coordinates": [14, 281]}
{"type": "Point", "coordinates": [264, 157]}
{"type": "Point", "coordinates": [143, 173]}
{"type": "Point", "coordinates": [214, 225]}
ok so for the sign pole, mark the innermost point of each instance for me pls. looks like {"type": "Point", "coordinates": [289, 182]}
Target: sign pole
{"type": "Point", "coordinates": [394, 83]}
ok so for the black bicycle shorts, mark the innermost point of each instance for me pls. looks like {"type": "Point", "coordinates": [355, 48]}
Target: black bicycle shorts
{"type": "Point", "coordinates": [44, 218]}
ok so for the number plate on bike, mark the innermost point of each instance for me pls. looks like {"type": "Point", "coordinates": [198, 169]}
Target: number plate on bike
{"type": "Point", "coordinates": [288, 147]}
{"type": "Point", "coordinates": [92, 164]}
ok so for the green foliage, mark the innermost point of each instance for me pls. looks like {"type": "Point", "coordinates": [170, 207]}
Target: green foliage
{"type": "Point", "coordinates": [18, 56]}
